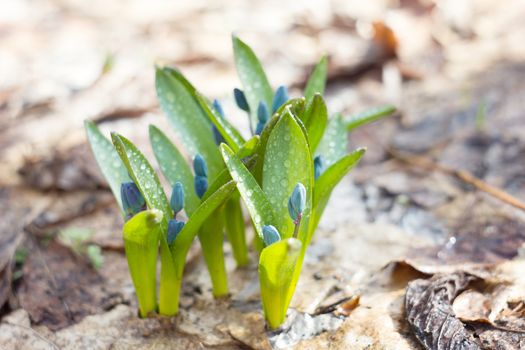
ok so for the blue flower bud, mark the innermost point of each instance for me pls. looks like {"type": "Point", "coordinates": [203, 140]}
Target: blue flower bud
{"type": "Point", "coordinates": [262, 113]}
{"type": "Point", "coordinates": [318, 166]}
{"type": "Point", "coordinates": [297, 202]}
{"type": "Point", "coordinates": [218, 107]}
{"type": "Point", "coordinates": [259, 128]}
{"type": "Point", "coordinates": [177, 198]}
{"type": "Point", "coordinates": [270, 235]}
{"type": "Point", "coordinates": [132, 200]}
{"type": "Point", "coordinates": [217, 136]}
{"type": "Point", "coordinates": [240, 100]}
{"type": "Point", "coordinates": [199, 166]}
{"type": "Point", "coordinates": [280, 98]}
{"type": "Point", "coordinates": [174, 228]}
{"type": "Point", "coordinates": [201, 185]}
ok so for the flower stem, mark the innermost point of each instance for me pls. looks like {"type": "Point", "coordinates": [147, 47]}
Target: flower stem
{"type": "Point", "coordinates": [297, 224]}
{"type": "Point", "coordinates": [170, 282]}
{"type": "Point", "coordinates": [235, 231]}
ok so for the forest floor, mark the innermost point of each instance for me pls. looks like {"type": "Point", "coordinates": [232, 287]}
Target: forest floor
{"type": "Point", "coordinates": [421, 244]}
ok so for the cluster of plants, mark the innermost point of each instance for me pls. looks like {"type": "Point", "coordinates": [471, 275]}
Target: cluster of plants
{"type": "Point", "coordinates": [284, 173]}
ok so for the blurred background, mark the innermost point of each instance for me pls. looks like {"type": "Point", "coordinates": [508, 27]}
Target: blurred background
{"type": "Point", "coordinates": [455, 69]}
{"type": "Point", "coordinates": [65, 61]}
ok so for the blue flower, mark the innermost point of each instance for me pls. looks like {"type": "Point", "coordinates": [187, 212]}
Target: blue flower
{"type": "Point", "coordinates": [280, 98]}
{"type": "Point", "coordinates": [297, 202]}
{"type": "Point", "coordinates": [318, 166]}
{"type": "Point", "coordinates": [174, 228]}
{"type": "Point", "coordinates": [177, 198]}
{"type": "Point", "coordinates": [201, 185]}
{"type": "Point", "coordinates": [217, 136]}
{"type": "Point", "coordinates": [270, 235]}
{"type": "Point", "coordinates": [199, 166]}
{"type": "Point", "coordinates": [218, 107]}
{"type": "Point", "coordinates": [262, 116]}
{"type": "Point", "coordinates": [240, 100]}
{"type": "Point", "coordinates": [132, 199]}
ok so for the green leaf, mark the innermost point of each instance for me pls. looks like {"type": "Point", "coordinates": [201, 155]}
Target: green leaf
{"type": "Point", "coordinates": [317, 80]}
{"type": "Point", "coordinates": [94, 254]}
{"type": "Point", "coordinates": [260, 150]}
{"type": "Point", "coordinates": [107, 159]}
{"type": "Point", "coordinates": [315, 119]}
{"type": "Point", "coordinates": [287, 162]}
{"type": "Point", "coordinates": [224, 177]}
{"type": "Point", "coordinates": [254, 81]}
{"type": "Point", "coordinates": [334, 142]}
{"type": "Point", "coordinates": [148, 183]}
{"type": "Point", "coordinates": [206, 208]}
{"type": "Point", "coordinates": [228, 132]}
{"type": "Point", "coordinates": [277, 266]}
{"type": "Point", "coordinates": [188, 119]}
{"type": "Point", "coordinates": [141, 236]}
{"type": "Point", "coordinates": [142, 174]}
{"type": "Point", "coordinates": [257, 203]}
{"type": "Point", "coordinates": [248, 148]}
{"type": "Point", "coordinates": [174, 167]}
{"type": "Point", "coordinates": [74, 237]}
{"type": "Point", "coordinates": [325, 184]}
{"type": "Point", "coordinates": [296, 106]}
{"type": "Point", "coordinates": [368, 116]}
{"type": "Point", "coordinates": [177, 75]}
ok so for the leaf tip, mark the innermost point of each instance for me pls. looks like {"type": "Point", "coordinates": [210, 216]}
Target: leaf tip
{"type": "Point", "coordinates": [226, 151]}
{"type": "Point", "coordinates": [114, 136]}
{"type": "Point", "coordinates": [88, 123]}
{"type": "Point", "coordinates": [152, 129]}
{"type": "Point", "coordinates": [155, 216]}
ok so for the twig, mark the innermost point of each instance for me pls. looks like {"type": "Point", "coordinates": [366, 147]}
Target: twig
{"type": "Point", "coordinates": [353, 299]}
{"type": "Point", "coordinates": [462, 175]}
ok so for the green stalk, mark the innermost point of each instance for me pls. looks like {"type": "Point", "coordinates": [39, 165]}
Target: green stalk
{"type": "Point", "coordinates": [175, 255]}
{"type": "Point", "coordinates": [235, 230]}
{"type": "Point", "coordinates": [279, 268]}
{"type": "Point", "coordinates": [211, 239]}
{"type": "Point", "coordinates": [170, 281]}
{"type": "Point", "coordinates": [141, 236]}
{"type": "Point", "coordinates": [257, 243]}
